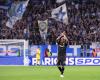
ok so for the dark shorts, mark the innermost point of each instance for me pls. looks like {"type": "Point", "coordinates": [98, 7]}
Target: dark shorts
{"type": "Point", "coordinates": [60, 62]}
{"type": "Point", "coordinates": [61, 58]}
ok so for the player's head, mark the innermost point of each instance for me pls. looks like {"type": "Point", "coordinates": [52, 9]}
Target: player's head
{"type": "Point", "coordinates": [62, 39]}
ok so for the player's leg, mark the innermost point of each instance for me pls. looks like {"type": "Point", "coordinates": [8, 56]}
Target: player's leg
{"type": "Point", "coordinates": [58, 65]}
{"type": "Point", "coordinates": [62, 70]}
{"type": "Point", "coordinates": [62, 67]}
{"type": "Point", "coordinates": [38, 61]}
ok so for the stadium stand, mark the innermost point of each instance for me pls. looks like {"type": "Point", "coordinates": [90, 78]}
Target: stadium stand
{"type": "Point", "coordinates": [84, 22]}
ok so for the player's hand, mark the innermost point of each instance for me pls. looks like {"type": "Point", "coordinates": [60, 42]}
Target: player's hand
{"type": "Point", "coordinates": [62, 34]}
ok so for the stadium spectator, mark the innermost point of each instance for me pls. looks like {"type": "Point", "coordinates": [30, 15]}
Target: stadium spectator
{"type": "Point", "coordinates": [47, 53]}
{"type": "Point", "coordinates": [84, 22]}
{"type": "Point", "coordinates": [94, 54]}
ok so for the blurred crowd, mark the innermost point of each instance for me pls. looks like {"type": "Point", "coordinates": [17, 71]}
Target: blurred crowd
{"type": "Point", "coordinates": [83, 23]}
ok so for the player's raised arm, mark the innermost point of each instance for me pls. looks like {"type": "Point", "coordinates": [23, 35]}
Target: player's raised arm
{"type": "Point", "coordinates": [58, 38]}
{"type": "Point", "coordinates": [65, 37]}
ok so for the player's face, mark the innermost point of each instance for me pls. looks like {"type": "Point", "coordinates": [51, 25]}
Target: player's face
{"type": "Point", "coordinates": [62, 39]}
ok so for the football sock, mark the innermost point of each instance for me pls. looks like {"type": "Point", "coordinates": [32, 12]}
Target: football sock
{"type": "Point", "coordinates": [62, 70]}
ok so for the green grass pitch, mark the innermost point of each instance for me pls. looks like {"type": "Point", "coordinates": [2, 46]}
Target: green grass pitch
{"type": "Point", "coordinates": [49, 73]}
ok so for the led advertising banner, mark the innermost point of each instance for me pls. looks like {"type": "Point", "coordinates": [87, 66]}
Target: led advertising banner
{"type": "Point", "coordinates": [70, 61]}
{"type": "Point", "coordinates": [11, 60]}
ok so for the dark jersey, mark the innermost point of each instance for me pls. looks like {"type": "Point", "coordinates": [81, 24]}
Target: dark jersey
{"type": "Point", "coordinates": [62, 50]}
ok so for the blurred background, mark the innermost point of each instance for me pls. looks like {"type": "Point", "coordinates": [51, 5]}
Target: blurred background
{"type": "Point", "coordinates": [34, 23]}
{"type": "Point", "coordinates": [83, 21]}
